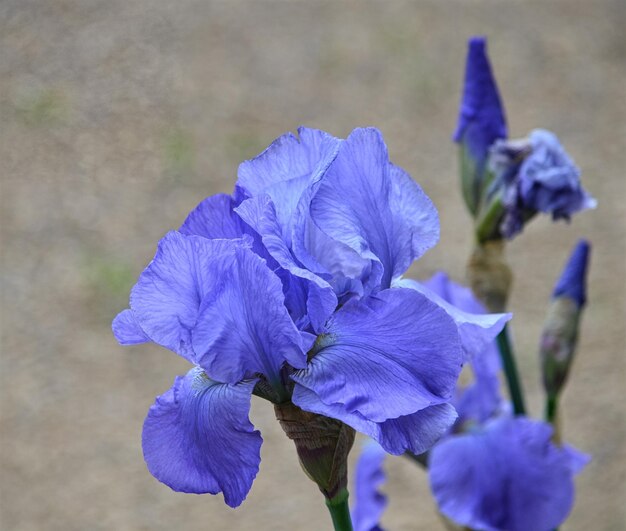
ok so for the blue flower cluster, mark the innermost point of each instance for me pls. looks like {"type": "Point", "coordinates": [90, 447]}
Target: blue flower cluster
{"type": "Point", "coordinates": [291, 289]}
{"type": "Point", "coordinates": [523, 177]}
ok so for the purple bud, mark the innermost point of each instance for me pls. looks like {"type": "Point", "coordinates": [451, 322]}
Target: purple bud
{"type": "Point", "coordinates": [560, 331]}
{"type": "Point", "coordinates": [574, 277]}
{"type": "Point", "coordinates": [481, 122]}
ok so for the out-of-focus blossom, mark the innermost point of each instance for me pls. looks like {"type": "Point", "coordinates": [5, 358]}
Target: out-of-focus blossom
{"type": "Point", "coordinates": [505, 475]}
{"type": "Point", "coordinates": [369, 475]}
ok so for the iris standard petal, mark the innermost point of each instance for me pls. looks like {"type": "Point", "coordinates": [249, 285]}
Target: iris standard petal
{"type": "Point", "coordinates": [214, 218]}
{"type": "Point", "coordinates": [197, 438]}
{"type": "Point", "coordinates": [369, 503]}
{"type": "Point", "coordinates": [308, 296]}
{"type": "Point", "coordinates": [285, 169]}
{"type": "Point", "coordinates": [243, 326]}
{"type": "Point", "coordinates": [126, 329]}
{"type": "Point", "coordinates": [385, 356]}
{"type": "Point", "coordinates": [167, 297]}
{"type": "Point", "coordinates": [507, 476]}
{"type": "Point", "coordinates": [374, 208]}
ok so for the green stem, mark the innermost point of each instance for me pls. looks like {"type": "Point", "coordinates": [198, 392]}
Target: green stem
{"type": "Point", "coordinates": [340, 512]}
{"type": "Point", "coordinates": [552, 407]}
{"type": "Point", "coordinates": [510, 370]}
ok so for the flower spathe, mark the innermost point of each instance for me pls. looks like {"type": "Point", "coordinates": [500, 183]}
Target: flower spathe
{"type": "Point", "coordinates": [284, 290]}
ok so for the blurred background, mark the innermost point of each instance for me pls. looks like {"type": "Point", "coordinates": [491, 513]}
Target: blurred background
{"type": "Point", "coordinates": [118, 117]}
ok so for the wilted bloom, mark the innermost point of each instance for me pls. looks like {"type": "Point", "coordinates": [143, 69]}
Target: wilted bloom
{"type": "Point", "coordinates": [494, 471]}
{"type": "Point", "coordinates": [560, 331]}
{"type": "Point", "coordinates": [481, 122]}
{"type": "Point", "coordinates": [535, 175]}
{"type": "Point", "coordinates": [284, 290]}
{"type": "Point", "coordinates": [369, 475]}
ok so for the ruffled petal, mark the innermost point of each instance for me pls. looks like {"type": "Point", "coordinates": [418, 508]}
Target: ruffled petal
{"type": "Point", "coordinates": [286, 168]}
{"type": "Point", "coordinates": [126, 329]}
{"type": "Point", "coordinates": [167, 297]}
{"type": "Point", "coordinates": [414, 433]}
{"type": "Point", "coordinates": [197, 438]}
{"type": "Point", "coordinates": [476, 330]}
{"type": "Point", "coordinates": [374, 208]}
{"type": "Point", "coordinates": [214, 218]}
{"type": "Point", "coordinates": [507, 476]}
{"type": "Point", "coordinates": [310, 298]}
{"type": "Point", "coordinates": [385, 356]}
{"type": "Point", "coordinates": [243, 327]}
{"type": "Point", "coordinates": [369, 476]}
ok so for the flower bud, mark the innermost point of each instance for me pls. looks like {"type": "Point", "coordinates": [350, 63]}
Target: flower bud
{"type": "Point", "coordinates": [560, 332]}
{"type": "Point", "coordinates": [323, 445]}
{"type": "Point", "coordinates": [481, 122]}
{"type": "Point", "coordinates": [531, 175]}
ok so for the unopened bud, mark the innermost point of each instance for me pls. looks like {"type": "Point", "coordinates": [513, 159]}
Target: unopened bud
{"type": "Point", "coordinates": [560, 332]}
{"type": "Point", "coordinates": [323, 445]}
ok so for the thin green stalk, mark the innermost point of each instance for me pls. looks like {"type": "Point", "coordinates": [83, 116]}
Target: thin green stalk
{"type": "Point", "coordinates": [340, 511]}
{"type": "Point", "coordinates": [552, 408]}
{"type": "Point", "coordinates": [510, 370]}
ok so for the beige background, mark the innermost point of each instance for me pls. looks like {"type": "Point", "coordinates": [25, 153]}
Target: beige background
{"type": "Point", "coordinates": [119, 116]}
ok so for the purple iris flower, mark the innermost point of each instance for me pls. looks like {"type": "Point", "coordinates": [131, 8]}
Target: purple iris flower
{"type": "Point", "coordinates": [507, 474]}
{"type": "Point", "coordinates": [369, 476]}
{"type": "Point", "coordinates": [536, 175]}
{"type": "Point", "coordinates": [493, 471]}
{"type": "Point", "coordinates": [284, 291]}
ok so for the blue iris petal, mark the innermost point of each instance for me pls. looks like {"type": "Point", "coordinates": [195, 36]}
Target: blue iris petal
{"type": "Point", "coordinates": [197, 437]}
{"type": "Point", "coordinates": [380, 358]}
{"type": "Point", "coordinates": [308, 295]}
{"type": "Point", "coordinates": [374, 208]}
{"type": "Point", "coordinates": [508, 475]}
{"type": "Point", "coordinates": [477, 329]}
{"type": "Point", "coordinates": [127, 330]}
{"type": "Point", "coordinates": [217, 304]}
{"type": "Point", "coordinates": [243, 327]}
